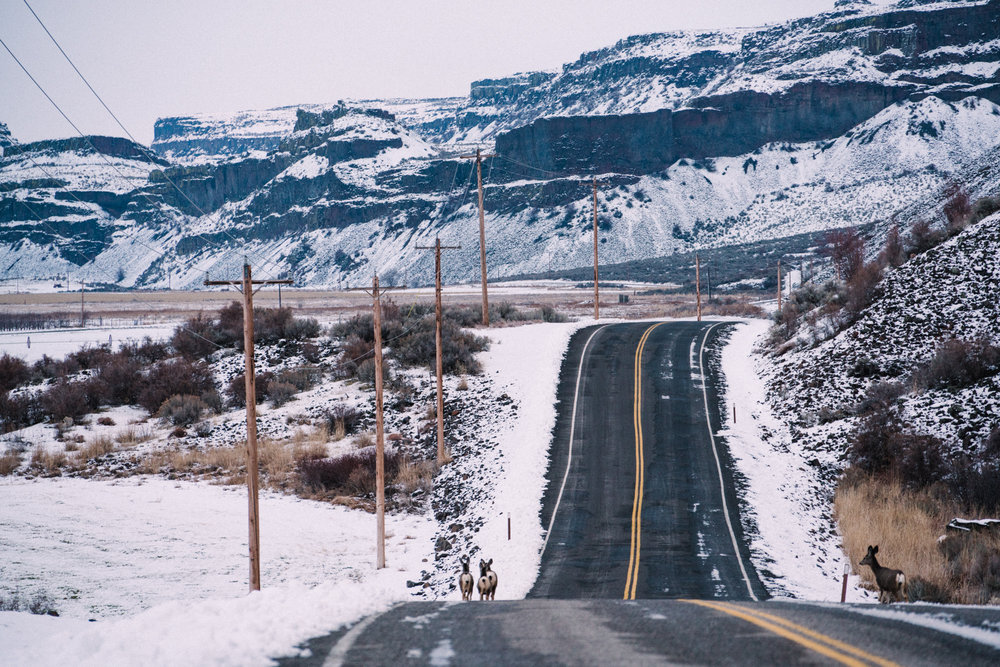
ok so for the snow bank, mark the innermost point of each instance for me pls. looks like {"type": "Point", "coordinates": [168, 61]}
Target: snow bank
{"type": "Point", "coordinates": [524, 362]}
{"type": "Point", "coordinates": [784, 501]}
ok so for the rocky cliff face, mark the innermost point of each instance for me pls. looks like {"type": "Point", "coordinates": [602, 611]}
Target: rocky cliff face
{"type": "Point", "coordinates": [806, 81]}
{"type": "Point", "coordinates": [702, 139]}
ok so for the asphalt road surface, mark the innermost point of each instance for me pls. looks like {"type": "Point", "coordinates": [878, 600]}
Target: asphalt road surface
{"type": "Point", "coordinates": [641, 510]}
{"type": "Point", "coordinates": [645, 562]}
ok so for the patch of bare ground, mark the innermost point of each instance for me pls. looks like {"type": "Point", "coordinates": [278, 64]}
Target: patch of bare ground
{"type": "Point", "coordinates": [908, 527]}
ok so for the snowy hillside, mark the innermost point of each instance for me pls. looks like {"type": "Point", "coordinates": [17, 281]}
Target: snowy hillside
{"type": "Point", "coordinates": [946, 293]}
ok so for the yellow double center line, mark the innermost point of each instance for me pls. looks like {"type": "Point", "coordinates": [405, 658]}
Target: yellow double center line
{"type": "Point", "coordinates": [815, 641]}
{"type": "Point", "coordinates": [633, 560]}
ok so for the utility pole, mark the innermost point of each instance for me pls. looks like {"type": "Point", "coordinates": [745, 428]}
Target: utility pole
{"type": "Point", "coordinates": [482, 229]}
{"type": "Point", "coordinates": [379, 433]}
{"type": "Point", "coordinates": [83, 313]}
{"type": "Point", "coordinates": [597, 294]}
{"type": "Point", "coordinates": [779, 285]}
{"type": "Point", "coordinates": [442, 455]}
{"type": "Point", "coordinates": [697, 282]}
{"type": "Point", "coordinates": [251, 402]}
{"type": "Point", "coordinates": [376, 294]}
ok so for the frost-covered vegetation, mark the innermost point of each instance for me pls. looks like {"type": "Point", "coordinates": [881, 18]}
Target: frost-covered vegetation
{"type": "Point", "coordinates": [890, 376]}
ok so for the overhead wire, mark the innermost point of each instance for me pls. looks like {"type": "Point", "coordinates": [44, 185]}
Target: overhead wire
{"type": "Point", "coordinates": [147, 154]}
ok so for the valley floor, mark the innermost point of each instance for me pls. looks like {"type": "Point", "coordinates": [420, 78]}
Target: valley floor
{"type": "Point", "coordinates": [160, 566]}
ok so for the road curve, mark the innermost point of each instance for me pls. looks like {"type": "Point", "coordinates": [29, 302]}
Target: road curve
{"type": "Point", "coordinates": [640, 507]}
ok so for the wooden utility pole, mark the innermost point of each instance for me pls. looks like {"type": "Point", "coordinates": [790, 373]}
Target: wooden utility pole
{"type": "Point", "coordinates": [376, 294]}
{"type": "Point", "coordinates": [379, 433]}
{"type": "Point", "coordinates": [697, 282]}
{"type": "Point", "coordinates": [442, 455]}
{"type": "Point", "coordinates": [597, 294]}
{"type": "Point", "coordinates": [482, 229]}
{"type": "Point", "coordinates": [779, 286]}
{"type": "Point", "coordinates": [83, 313]}
{"type": "Point", "coordinates": [251, 402]}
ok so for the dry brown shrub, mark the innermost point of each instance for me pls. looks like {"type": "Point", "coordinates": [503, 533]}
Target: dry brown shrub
{"type": "Point", "coordinates": [9, 462]}
{"type": "Point", "coordinates": [366, 439]}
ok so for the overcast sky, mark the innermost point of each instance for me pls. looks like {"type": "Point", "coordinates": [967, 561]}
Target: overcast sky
{"type": "Point", "coordinates": [150, 59]}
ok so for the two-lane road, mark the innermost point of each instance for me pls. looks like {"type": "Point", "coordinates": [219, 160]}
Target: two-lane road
{"type": "Point", "coordinates": [644, 561]}
{"type": "Point", "coordinates": [636, 487]}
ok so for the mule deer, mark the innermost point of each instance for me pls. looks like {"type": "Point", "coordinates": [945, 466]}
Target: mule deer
{"type": "Point", "coordinates": [487, 580]}
{"type": "Point", "coordinates": [465, 579]}
{"type": "Point", "coordinates": [891, 583]}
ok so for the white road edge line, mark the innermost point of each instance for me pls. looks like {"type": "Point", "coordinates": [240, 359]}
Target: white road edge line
{"type": "Point", "coordinates": [339, 651]}
{"type": "Point", "coordinates": [572, 430]}
{"type": "Point", "coordinates": [718, 464]}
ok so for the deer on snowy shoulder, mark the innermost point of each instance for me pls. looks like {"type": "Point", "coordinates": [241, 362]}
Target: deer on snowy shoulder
{"type": "Point", "coordinates": [891, 583]}
{"type": "Point", "coordinates": [465, 579]}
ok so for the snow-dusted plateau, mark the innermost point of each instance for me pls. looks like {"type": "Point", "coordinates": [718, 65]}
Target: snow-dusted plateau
{"type": "Point", "coordinates": [880, 120]}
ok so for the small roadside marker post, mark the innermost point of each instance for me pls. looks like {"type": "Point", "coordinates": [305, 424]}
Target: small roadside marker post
{"type": "Point", "coordinates": [843, 588]}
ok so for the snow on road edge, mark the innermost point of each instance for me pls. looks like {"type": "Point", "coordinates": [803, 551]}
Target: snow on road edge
{"type": "Point", "coordinates": [786, 509]}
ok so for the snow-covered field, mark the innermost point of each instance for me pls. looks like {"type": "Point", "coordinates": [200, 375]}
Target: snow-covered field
{"type": "Point", "coordinates": [57, 343]}
{"type": "Point", "coordinates": [150, 571]}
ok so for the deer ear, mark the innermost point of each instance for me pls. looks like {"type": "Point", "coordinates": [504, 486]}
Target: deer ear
{"type": "Point", "coordinates": [491, 562]}
{"type": "Point", "coordinates": [875, 550]}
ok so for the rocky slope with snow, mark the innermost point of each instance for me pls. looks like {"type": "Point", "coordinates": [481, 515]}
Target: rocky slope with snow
{"type": "Point", "coordinates": [701, 139]}
{"type": "Point", "coordinates": [947, 293]}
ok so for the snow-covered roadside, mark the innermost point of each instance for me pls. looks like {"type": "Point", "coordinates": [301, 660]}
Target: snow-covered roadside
{"type": "Point", "coordinates": [524, 363]}
{"type": "Point", "coordinates": [788, 508]}
{"type": "Point", "coordinates": [178, 551]}
{"type": "Point", "coordinates": [162, 565]}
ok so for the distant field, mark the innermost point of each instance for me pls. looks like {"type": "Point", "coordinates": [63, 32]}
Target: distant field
{"type": "Point", "coordinates": [147, 308]}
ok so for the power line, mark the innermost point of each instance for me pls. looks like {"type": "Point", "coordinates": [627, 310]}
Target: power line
{"type": "Point", "coordinates": [148, 154]}
{"type": "Point", "coordinates": [145, 153]}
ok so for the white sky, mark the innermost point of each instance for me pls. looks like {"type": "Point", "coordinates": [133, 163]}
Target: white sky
{"type": "Point", "coordinates": [151, 59]}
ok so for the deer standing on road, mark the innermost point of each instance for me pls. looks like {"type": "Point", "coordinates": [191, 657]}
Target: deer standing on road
{"type": "Point", "coordinates": [487, 580]}
{"type": "Point", "coordinates": [465, 579]}
{"type": "Point", "coordinates": [891, 583]}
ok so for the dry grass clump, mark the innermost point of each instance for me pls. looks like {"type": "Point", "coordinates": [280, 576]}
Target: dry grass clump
{"type": "Point", "coordinates": [99, 446]}
{"type": "Point", "coordinates": [133, 435]}
{"type": "Point", "coordinates": [414, 475]}
{"type": "Point", "coordinates": [46, 462]}
{"type": "Point", "coordinates": [277, 460]}
{"type": "Point", "coordinates": [906, 525]}
{"type": "Point", "coordinates": [9, 462]}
